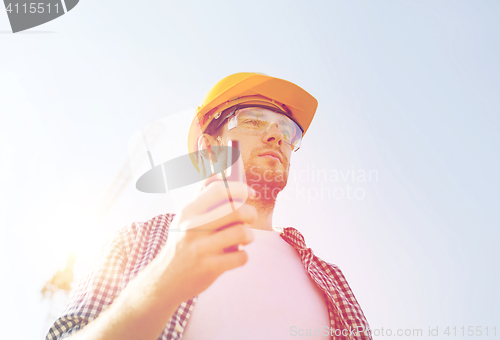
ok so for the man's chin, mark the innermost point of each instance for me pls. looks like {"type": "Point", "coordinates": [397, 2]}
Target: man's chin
{"type": "Point", "coordinates": [265, 174]}
{"type": "Point", "coordinates": [266, 181]}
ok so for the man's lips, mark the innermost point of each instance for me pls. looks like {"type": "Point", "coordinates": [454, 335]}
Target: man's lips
{"type": "Point", "coordinates": [272, 154]}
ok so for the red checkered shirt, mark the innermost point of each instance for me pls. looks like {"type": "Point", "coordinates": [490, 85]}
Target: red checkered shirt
{"type": "Point", "coordinates": [134, 247]}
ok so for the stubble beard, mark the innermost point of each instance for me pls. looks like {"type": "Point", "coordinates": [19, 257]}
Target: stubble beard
{"type": "Point", "coordinates": [267, 182]}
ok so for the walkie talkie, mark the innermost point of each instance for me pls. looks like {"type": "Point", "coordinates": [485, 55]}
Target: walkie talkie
{"type": "Point", "coordinates": [235, 174]}
{"type": "Point", "coordinates": [235, 171]}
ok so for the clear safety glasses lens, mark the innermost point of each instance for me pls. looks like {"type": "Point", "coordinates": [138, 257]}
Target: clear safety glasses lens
{"type": "Point", "coordinates": [259, 120]}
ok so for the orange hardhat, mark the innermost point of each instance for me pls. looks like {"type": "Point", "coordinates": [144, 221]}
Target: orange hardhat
{"type": "Point", "coordinates": [247, 87]}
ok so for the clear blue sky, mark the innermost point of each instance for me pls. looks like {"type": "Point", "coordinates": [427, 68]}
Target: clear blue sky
{"type": "Point", "coordinates": [407, 90]}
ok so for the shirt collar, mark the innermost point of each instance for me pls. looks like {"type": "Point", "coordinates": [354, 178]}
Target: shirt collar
{"type": "Point", "coordinates": [293, 237]}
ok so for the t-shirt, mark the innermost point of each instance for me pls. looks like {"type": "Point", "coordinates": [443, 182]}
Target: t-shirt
{"type": "Point", "coordinates": [263, 299]}
{"type": "Point", "coordinates": [134, 247]}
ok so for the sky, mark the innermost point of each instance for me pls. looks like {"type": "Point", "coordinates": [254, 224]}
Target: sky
{"type": "Point", "coordinates": [396, 180]}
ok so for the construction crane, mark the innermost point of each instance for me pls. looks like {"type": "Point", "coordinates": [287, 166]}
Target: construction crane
{"type": "Point", "coordinates": [60, 283]}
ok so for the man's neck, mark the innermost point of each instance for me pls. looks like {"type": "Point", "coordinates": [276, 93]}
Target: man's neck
{"type": "Point", "coordinates": [264, 215]}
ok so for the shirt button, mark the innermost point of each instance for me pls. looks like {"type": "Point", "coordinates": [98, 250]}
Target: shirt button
{"type": "Point", "coordinates": [178, 328]}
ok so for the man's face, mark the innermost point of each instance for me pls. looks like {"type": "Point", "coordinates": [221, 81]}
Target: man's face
{"type": "Point", "coordinates": [266, 158]}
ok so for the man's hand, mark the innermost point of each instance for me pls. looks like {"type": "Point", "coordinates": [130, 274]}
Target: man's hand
{"type": "Point", "coordinates": [194, 255]}
{"type": "Point", "coordinates": [190, 261]}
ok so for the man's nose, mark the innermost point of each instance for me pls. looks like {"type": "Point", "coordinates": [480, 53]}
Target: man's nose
{"type": "Point", "coordinates": [273, 134]}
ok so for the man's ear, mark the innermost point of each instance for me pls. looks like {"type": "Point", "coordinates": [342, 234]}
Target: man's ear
{"type": "Point", "coordinates": [204, 141]}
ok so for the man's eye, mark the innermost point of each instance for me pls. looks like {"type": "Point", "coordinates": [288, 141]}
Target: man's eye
{"type": "Point", "coordinates": [252, 122]}
{"type": "Point", "coordinates": [287, 133]}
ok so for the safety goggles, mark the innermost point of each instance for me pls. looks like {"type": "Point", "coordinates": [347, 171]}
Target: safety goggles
{"type": "Point", "coordinates": [258, 120]}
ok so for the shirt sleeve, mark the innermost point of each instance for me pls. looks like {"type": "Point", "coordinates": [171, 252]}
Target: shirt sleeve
{"type": "Point", "coordinates": [348, 304]}
{"type": "Point", "coordinates": [95, 292]}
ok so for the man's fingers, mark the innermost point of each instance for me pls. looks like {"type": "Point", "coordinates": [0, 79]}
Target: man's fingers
{"type": "Point", "coordinates": [220, 217]}
{"type": "Point", "coordinates": [216, 194]}
{"type": "Point", "coordinates": [209, 180]}
{"type": "Point", "coordinates": [228, 261]}
{"type": "Point", "coordinates": [230, 236]}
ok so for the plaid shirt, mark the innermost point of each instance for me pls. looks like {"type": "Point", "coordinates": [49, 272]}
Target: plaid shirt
{"type": "Point", "coordinates": [135, 246]}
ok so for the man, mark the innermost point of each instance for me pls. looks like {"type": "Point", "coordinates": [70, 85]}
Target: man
{"type": "Point", "coordinates": [152, 284]}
